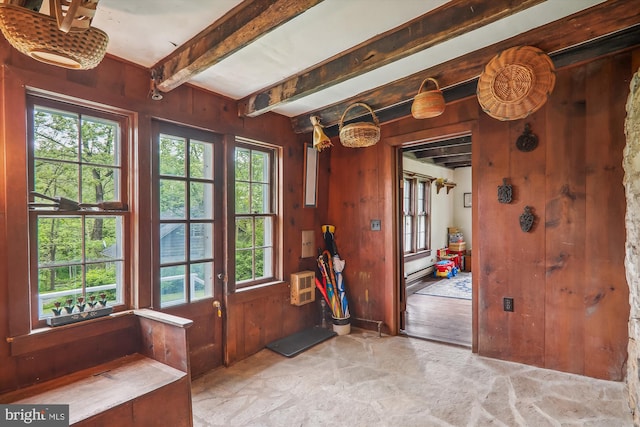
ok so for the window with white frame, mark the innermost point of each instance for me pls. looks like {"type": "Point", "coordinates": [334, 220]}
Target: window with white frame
{"type": "Point", "coordinates": [416, 209]}
{"type": "Point", "coordinates": [77, 206]}
{"type": "Point", "coordinates": [256, 212]}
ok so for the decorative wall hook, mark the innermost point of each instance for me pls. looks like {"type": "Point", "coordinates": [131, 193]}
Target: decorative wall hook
{"type": "Point", "coordinates": [527, 219]}
{"type": "Point", "coordinates": [528, 141]}
{"type": "Point", "coordinates": [505, 192]}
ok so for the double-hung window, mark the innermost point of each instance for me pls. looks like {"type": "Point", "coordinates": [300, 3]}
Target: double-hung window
{"type": "Point", "coordinates": [256, 209]}
{"type": "Point", "coordinates": [77, 207]}
{"type": "Point", "coordinates": [416, 209]}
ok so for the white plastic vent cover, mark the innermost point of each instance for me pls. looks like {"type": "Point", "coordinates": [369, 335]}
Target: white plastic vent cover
{"type": "Point", "coordinates": [303, 287]}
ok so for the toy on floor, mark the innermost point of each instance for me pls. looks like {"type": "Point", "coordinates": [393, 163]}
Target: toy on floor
{"type": "Point", "coordinates": [445, 268]}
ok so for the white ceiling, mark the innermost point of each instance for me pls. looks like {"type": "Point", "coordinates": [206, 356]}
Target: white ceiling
{"type": "Point", "coordinates": [146, 31]}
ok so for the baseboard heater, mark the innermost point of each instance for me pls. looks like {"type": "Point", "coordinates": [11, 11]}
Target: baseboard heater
{"type": "Point", "coordinates": [418, 274]}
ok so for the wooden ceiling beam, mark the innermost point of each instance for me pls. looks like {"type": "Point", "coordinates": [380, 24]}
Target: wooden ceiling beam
{"type": "Point", "coordinates": [448, 21]}
{"type": "Point", "coordinates": [597, 21]}
{"type": "Point", "coordinates": [244, 24]}
{"type": "Point", "coordinates": [450, 150]}
{"type": "Point", "coordinates": [461, 158]}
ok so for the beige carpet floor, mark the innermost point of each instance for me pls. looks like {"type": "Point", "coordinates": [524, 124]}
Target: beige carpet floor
{"type": "Point", "coordinates": [365, 380]}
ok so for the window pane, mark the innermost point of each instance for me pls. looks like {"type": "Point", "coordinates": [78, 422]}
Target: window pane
{"type": "Point", "coordinates": [58, 284]}
{"type": "Point", "coordinates": [408, 238]}
{"type": "Point", "coordinates": [56, 179]}
{"type": "Point", "coordinates": [244, 233]}
{"type": "Point", "coordinates": [244, 265]}
{"type": "Point", "coordinates": [242, 197]}
{"type": "Point", "coordinates": [201, 280]}
{"type": "Point", "coordinates": [98, 184]}
{"type": "Point", "coordinates": [264, 232]}
{"type": "Point", "coordinates": [201, 241]}
{"type": "Point", "coordinates": [56, 134]}
{"type": "Point", "coordinates": [259, 166]}
{"type": "Point", "coordinates": [100, 141]}
{"type": "Point", "coordinates": [59, 240]}
{"type": "Point", "coordinates": [421, 206]}
{"type": "Point", "coordinates": [242, 165]}
{"type": "Point", "coordinates": [422, 232]}
{"type": "Point", "coordinates": [172, 243]}
{"type": "Point", "coordinates": [103, 238]}
{"type": "Point", "coordinates": [260, 198]}
{"type": "Point", "coordinates": [104, 278]}
{"type": "Point", "coordinates": [172, 199]}
{"type": "Point", "coordinates": [201, 202]}
{"type": "Point", "coordinates": [263, 263]}
{"type": "Point", "coordinates": [201, 160]}
{"type": "Point", "coordinates": [172, 286]}
{"type": "Point", "coordinates": [172, 155]}
{"type": "Point", "coordinates": [406, 197]}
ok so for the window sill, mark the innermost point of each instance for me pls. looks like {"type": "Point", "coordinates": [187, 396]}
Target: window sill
{"type": "Point", "coordinates": [417, 255]}
{"type": "Point", "coordinates": [258, 291]}
{"type": "Point", "coordinates": [49, 337]}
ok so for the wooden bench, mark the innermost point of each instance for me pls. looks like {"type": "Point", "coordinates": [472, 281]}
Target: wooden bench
{"type": "Point", "coordinates": [151, 387]}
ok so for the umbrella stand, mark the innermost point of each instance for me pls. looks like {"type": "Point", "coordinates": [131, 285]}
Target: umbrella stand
{"type": "Point", "coordinates": [331, 267]}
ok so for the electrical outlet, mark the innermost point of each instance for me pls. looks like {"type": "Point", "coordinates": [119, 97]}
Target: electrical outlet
{"type": "Point", "coordinates": [376, 225]}
{"type": "Point", "coordinates": [507, 304]}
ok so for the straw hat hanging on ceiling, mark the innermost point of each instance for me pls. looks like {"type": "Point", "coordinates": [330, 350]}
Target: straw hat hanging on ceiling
{"type": "Point", "coordinates": [516, 83]}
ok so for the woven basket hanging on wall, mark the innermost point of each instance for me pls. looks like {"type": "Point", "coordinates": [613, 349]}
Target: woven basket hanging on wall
{"type": "Point", "coordinates": [516, 83]}
{"type": "Point", "coordinates": [38, 36]}
{"type": "Point", "coordinates": [429, 103]}
{"type": "Point", "coordinates": [359, 134]}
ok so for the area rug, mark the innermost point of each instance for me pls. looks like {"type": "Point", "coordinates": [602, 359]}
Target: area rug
{"type": "Point", "coordinates": [456, 287]}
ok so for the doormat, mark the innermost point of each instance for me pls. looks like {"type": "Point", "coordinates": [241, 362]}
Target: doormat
{"type": "Point", "coordinates": [457, 287]}
{"type": "Point", "coordinates": [300, 341]}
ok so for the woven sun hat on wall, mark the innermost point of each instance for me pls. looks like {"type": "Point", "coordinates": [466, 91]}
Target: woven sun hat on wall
{"type": "Point", "coordinates": [38, 36]}
{"type": "Point", "coordinates": [516, 83]}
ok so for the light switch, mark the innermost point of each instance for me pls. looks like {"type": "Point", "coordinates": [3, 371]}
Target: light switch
{"type": "Point", "coordinates": [308, 242]}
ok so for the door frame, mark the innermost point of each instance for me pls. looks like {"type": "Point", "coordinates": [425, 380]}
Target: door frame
{"type": "Point", "coordinates": [420, 137]}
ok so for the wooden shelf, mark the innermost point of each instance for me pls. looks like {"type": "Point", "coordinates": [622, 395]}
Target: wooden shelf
{"type": "Point", "coordinates": [444, 184]}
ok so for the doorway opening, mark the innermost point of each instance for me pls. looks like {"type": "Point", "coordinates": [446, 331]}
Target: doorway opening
{"type": "Point", "coordinates": [436, 230]}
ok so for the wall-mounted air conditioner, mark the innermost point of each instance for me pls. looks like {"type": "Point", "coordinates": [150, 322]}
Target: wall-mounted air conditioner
{"type": "Point", "coordinates": [303, 287]}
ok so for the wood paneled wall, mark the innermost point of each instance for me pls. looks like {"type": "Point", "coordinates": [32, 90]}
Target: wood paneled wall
{"type": "Point", "coordinates": [567, 275]}
{"type": "Point", "coordinates": [125, 86]}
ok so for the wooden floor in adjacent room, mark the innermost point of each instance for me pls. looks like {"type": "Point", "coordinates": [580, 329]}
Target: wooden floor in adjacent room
{"type": "Point", "coordinates": [439, 318]}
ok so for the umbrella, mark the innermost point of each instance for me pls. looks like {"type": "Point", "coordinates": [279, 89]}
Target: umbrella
{"type": "Point", "coordinates": [327, 273]}
{"type": "Point", "coordinates": [338, 266]}
{"type": "Point", "coordinates": [334, 266]}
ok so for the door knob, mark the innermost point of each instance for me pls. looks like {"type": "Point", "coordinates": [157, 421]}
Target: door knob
{"type": "Point", "coordinates": [218, 307]}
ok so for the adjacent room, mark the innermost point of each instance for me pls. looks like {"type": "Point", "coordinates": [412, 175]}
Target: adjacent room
{"type": "Point", "coordinates": [212, 213]}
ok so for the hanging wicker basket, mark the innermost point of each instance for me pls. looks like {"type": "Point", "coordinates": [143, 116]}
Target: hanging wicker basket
{"type": "Point", "coordinates": [429, 103]}
{"type": "Point", "coordinates": [38, 36]}
{"type": "Point", "coordinates": [359, 134]}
